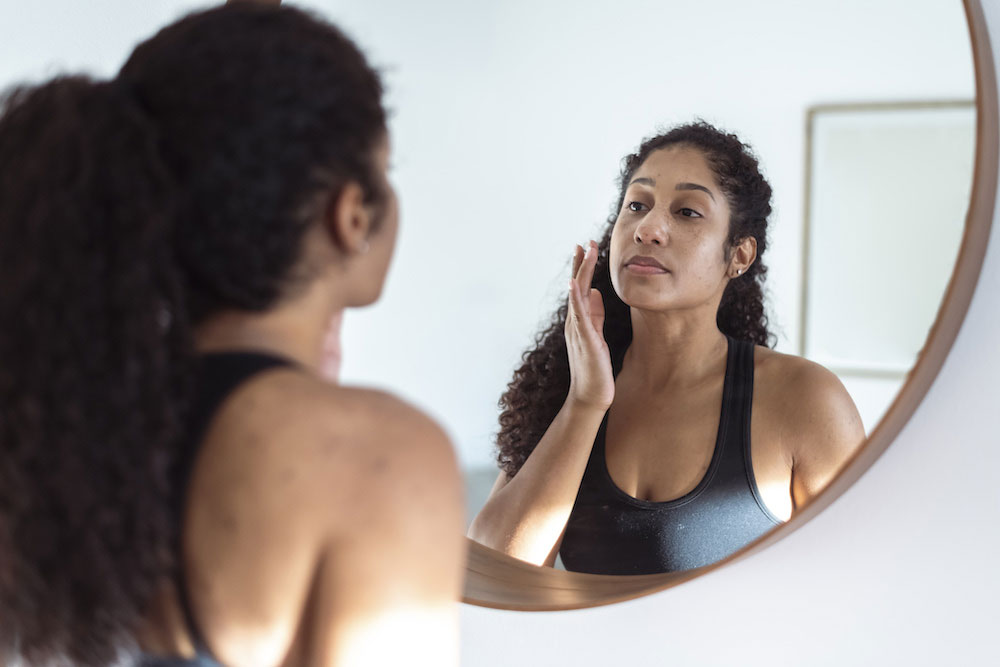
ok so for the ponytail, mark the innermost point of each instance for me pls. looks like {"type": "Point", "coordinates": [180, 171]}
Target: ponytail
{"type": "Point", "coordinates": [94, 352]}
{"type": "Point", "coordinates": [130, 211]}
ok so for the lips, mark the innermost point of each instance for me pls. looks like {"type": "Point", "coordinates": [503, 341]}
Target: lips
{"type": "Point", "coordinates": [646, 262]}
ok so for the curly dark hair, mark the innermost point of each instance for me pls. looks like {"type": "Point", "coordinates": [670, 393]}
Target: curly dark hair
{"type": "Point", "coordinates": [539, 387]}
{"type": "Point", "coordinates": [130, 210]}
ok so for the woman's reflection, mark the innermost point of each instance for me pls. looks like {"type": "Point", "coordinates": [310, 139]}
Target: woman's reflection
{"type": "Point", "coordinates": [677, 436]}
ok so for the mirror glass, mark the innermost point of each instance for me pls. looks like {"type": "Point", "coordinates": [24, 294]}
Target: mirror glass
{"type": "Point", "coordinates": [510, 122]}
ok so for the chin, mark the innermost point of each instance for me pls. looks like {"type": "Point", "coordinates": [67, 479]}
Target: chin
{"type": "Point", "coordinates": [367, 300]}
{"type": "Point", "coordinates": [648, 304]}
{"type": "Point", "coordinates": [661, 301]}
{"type": "Point", "coordinates": [366, 292]}
{"type": "Point", "coordinates": [644, 297]}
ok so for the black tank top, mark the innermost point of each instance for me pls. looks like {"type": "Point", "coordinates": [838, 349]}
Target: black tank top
{"type": "Point", "coordinates": [610, 532]}
{"type": "Point", "coordinates": [219, 375]}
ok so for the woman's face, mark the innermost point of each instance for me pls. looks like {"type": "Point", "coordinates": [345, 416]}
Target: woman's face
{"type": "Point", "coordinates": [668, 245]}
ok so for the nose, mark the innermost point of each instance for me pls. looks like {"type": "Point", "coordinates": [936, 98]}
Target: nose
{"type": "Point", "coordinates": [651, 230]}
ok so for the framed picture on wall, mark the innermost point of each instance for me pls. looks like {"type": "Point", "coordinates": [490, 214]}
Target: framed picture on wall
{"type": "Point", "coordinates": [885, 186]}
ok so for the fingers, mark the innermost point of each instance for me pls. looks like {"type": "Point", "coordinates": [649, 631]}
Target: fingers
{"type": "Point", "coordinates": [576, 308]}
{"type": "Point", "coordinates": [584, 264]}
{"type": "Point", "coordinates": [585, 276]}
{"type": "Point", "coordinates": [585, 303]}
{"type": "Point", "coordinates": [579, 310]}
{"type": "Point", "coordinates": [577, 260]}
{"type": "Point", "coordinates": [596, 310]}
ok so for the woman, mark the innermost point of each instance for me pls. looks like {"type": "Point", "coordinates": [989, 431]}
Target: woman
{"type": "Point", "coordinates": [175, 474]}
{"type": "Point", "coordinates": [625, 441]}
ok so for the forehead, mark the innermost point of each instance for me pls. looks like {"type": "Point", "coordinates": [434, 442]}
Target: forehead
{"type": "Point", "coordinates": [676, 164]}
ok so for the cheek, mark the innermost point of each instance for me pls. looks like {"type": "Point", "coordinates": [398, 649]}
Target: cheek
{"type": "Point", "coordinates": [384, 240]}
{"type": "Point", "coordinates": [707, 250]}
{"type": "Point", "coordinates": [392, 220]}
{"type": "Point", "coordinates": [710, 253]}
{"type": "Point", "coordinates": [619, 237]}
{"type": "Point", "coordinates": [615, 253]}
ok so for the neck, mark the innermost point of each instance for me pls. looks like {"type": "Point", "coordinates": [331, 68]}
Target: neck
{"type": "Point", "coordinates": [674, 349]}
{"type": "Point", "coordinates": [295, 328]}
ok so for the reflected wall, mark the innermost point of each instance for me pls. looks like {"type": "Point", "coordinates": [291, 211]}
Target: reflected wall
{"type": "Point", "coordinates": [885, 183]}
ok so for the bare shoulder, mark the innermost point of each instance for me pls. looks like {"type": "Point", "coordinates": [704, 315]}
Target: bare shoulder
{"type": "Point", "coordinates": [808, 409]}
{"type": "Point", "coordinates": [386, 486]}
{"type": "Point", "coordinates": [404, 461]}
{"type": "Point", "coordinates": [302, 486]}
{"type": "Point", "coordinates": [350, 451]}
{"type": "Point", "coordinates": [805, 391]}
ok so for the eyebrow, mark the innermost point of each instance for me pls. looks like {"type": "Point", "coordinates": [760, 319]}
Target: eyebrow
{"type": "Point", "coordinates": [694, 186]}
{"type": "Point", "coordinates": [642, 180]}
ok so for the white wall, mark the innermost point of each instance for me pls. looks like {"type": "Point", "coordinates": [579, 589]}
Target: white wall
{"type": "Point", "coordinates": [900, 570]}
{"type": "Point", "coordinates": [43, 38]}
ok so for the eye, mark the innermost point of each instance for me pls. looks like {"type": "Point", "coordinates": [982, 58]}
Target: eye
{"type": "Point", "coordinates": [636, 206]}
{"type": "Point", "coordinates": [689, 213]}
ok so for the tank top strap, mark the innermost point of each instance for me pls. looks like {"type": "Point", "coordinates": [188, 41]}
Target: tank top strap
{"type": "Point", "coordinates": [740, 457]}
{"type": "Point", "coordinates": [739, 370]}
{"type": "Point", "coordinates": [219, 374]}
{"type": "Point", "coordinates": [728, 462]}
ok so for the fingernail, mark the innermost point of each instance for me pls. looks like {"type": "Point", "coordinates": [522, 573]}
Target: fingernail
{"type": "Point", "coordinates": [590, 249]}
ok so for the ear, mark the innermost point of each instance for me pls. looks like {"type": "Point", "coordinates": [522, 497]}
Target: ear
{"type": "Point", "coordinates": [744, 254]}
{"type": "Point", "coordinates": [348, 219]}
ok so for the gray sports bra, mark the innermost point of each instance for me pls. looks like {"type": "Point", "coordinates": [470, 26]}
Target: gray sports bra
{"type": "Point", "coordinates": [610, 532]}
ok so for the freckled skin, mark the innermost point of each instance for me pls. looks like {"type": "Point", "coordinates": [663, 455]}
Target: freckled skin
{"type": "Point", "coordinates": [685, 229]}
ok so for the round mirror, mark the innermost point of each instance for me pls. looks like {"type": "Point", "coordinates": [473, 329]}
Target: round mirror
{"type": "Point", "coordinates": [510, 125]}
{"type": "Point", "coordinates": [510, 122]}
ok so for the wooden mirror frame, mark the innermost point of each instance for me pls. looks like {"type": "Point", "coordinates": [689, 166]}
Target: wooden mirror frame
{"type": "Point", "coordinates": [502, 582]}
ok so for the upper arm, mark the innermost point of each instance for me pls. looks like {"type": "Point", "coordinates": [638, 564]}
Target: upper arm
{"type": "Point", "coordinates": [501, 481]}
{"type": "Point", "coordinates": [823, 430]}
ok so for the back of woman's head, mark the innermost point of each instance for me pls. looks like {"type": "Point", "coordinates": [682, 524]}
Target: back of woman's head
{"type": "Point", "coordinates": [130, 210]}
{"type": "Point", "coordinates": [261, 113]}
